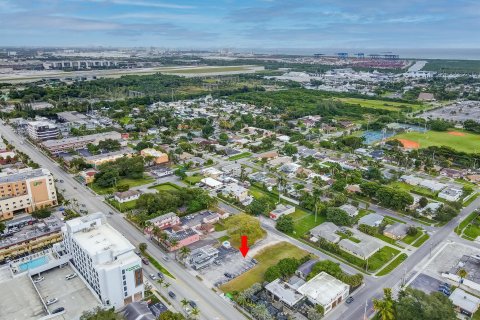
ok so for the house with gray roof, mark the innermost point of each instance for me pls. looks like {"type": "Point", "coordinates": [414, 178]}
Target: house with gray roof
{"type": "Point", "coordinates": [372, 220]}
{"type": "Point", "coordinates": [364, 249]}
{"type": "Point", "coordinates": [326, 230]}
{"type": "Point", "coordinates": [396, 231]}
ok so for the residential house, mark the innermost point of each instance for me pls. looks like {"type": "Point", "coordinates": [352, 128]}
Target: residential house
{"type": "Point", "coordinates": [364, 249]}
{"type": "Point", "coordinates": [451, 173]}
{"type": "Point", "coordinates": [306, 268]}
{"type": "Point", "coordinates": [236, 191]}
{"type": "Point", "coordinates": [268, 155]}
{"type": "Point", "coordinates": [211, 183]}
{"type": "Point", "coordinates": [372, 220]}
{"type": "Point", "coordinates": [327, 231]}
{"type": "Point", "coordinates": [349, 209]}
{"type": "Point", "coordinates": [212, 172]}
{"type": "Point", "coordinates": [164, 221]}
{"type": "Point", "coordinates": [464, 302]}
{"type": "Point", "coordinates": [158, 156]}
{"type": "Point", "coordinates": [281, 210]}
{"type": "Point", "coordinates": [126, 196]}
{"type": "Point", "coordinates": [451, 194]}
{"type": "Point", "coordinates": [396, 231]}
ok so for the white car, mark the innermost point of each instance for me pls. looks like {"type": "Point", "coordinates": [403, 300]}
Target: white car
{"type": "Point", "coordinates": [39, 279]}
{"type": "Point", "coordinates": [152, 276]}
{"type": "Point", "coordinates": [51, 301]}
{"type": "Point", "coordinates": [71, 276]}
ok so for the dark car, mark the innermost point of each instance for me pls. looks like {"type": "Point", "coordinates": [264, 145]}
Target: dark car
{"type": "Point", "coordinates": [172, 294]}
{"type": "Point", "coordinates": [192, 304]}
{"type": "Point", "coordinates": [58, 310]}
{"type": "Point", "coordinates": [160, 275]}
{"type": "Point", "coordinates": [145, 261]}
{"type": "Point", "coordinates": [349, 300]}
{"type": "Point", "coordinates": [228, 275]}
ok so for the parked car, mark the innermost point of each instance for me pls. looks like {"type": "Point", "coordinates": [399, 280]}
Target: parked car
{"type": "Point", "coordinates": [192, 304]}
{"type": "Point", "coordinates": [58, 310]}
{"type": "Point", "coordinates": [349, 300]}
{"type": "Point", "coordinates": [152, 276]}
{"type": "Point", "coordinates": [137, 252]}
{"type": "Point", "coordinates": [39, 279]}
{"type": "Point", "coordinates": [51, 301]}
{"type": "Point", "coordinates": [110, 212]}
{"type": "Point", "coordinates": [145, 261]}
{"type": "Point", "coordinates": [166, 258]}
{"type": "Point", "coordinates": [445, 292]}
{"type": "Point", "coordinates": [172, 294]}
{"type": "Point", "coordinates": [160, 275]}
{"type": "Point", "coordinates": [71, 276]}
{"type": "Point", "coordinates": [228, 275]}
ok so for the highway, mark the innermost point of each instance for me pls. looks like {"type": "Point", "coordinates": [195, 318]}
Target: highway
{"type": "Point", "coordinates": [210, 304]}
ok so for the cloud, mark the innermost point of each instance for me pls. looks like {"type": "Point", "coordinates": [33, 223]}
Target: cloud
{"type": "Point", "coordinates": [141, 3]}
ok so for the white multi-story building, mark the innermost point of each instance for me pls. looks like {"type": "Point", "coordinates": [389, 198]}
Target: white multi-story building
{"type": "Point", "coordinates": [105, 259]}
{"type": "Point", "coordinates": [42, 130]}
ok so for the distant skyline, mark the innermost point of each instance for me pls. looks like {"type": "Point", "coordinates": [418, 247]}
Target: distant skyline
{"type": "Point", "coordinates": [266, 24]}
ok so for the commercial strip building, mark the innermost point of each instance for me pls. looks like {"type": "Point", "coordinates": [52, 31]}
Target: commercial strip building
{"type": "Point", "coordinates": [101, 158]}
{"type": "Point", "coordinates": [42, 130]}
{"type": "Point", "coordinates": [323, 289]}
{"type": "Point", "coordinates": [105, 259]}
{"type": "Point", "coordinates": [57, 146]}
{"type": "Point", "coordinates": [25, 191]}
{"type": "Point", "coordinates": [27, 235]}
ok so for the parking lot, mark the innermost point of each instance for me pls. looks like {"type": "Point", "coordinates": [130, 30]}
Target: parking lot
{"type": "Point", "coordinates": [18, 298]}
{"type": "Point", "coordinates": [458, 111]}
{"type": "Point", "coordinates": [73, 295]}
{"type": "Point", "coordinates": [426, 283]}
{"type": "Point", "coordinates": [230, 261]}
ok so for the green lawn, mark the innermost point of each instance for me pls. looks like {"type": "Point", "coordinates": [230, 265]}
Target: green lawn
{"type": "Point", "coordinates": [219, 227]}
{"type": "Point", "coordinates": [267, 257]}
{"type": "Point", "coordinates": [465, 222]}
{"type": "Point", "coordinates": [472, 231]}
{"type": "Point", "coordinates": [240, 156]}
{"type": "Point", "coordinates": [381, 257]}
{"type": "Point", "coordinates": [223, 238]}
{"type": "Point", "coordinates": [131, 183]}
{"type": "Point", "coordinates": [304, 222]}
{"type": "Point", "coordinates": [165, 187]}
{"type": "Point", "coordinates": [409, 239]}
{"type": "Point", "coordinates": [192, 180]}
{"type": "Point", "coordinates": [392, 265]}
{"type": "Point", "coordinates": [129, 205]}
{"type": "Point", "coordinates": [468, 143]}
{"type": "Point", "coordinates": [384, 104]}
{"type": "Point", "coordinates": [421, 240]}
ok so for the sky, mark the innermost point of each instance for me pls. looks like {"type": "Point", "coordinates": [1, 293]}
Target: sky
{"type": "Point", "coordinates": [205, 24]}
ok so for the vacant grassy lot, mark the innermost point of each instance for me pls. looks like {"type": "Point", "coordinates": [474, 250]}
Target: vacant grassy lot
{"type": "Point", "coordinates": [266, 258]}
{"type": "Point", "coordinates": [305, 221]}
{"type": "Point", "coordinates": [384, 104]}
{"type": "Point", "coordinates": [131, 183]}
{"type": "Point", "coordinates": [469, 142]}
{"type": "Point", "coordinates": [192, 180]}
{"type": "Point", "coordinates": [392, 265]}
{"type": "Point", "coordinates": [240, 156]}
{"type": "Point", "coordinates": [165, 187]}
{"type": "Point", "coordinates": [129, 205]}
{"type": "Point", "coordinates": [472, 231]}
{"type": "Point", "coordinates": [381, 257]}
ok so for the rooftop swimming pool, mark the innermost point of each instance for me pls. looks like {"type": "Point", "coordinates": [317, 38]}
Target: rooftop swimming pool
{"type": "Point", "coordinates": [33, 263]}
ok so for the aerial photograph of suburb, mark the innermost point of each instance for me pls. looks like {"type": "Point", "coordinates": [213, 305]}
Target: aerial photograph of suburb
{"type": "Point", "coordinates": [239, 160]}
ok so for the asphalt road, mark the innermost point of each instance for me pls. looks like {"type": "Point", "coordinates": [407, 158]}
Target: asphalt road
{"type": "Point", "coordinates": [210, 304]}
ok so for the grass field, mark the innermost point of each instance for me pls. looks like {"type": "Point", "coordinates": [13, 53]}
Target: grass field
{"type": "Point", "coordinates": [192, 180]}
{"type": "Point", "coordinates": [383, 104]}
{"type": "Point", "coordinates": [165, 187]}
{"type": "Point", "coordinates": [207, 70]}
{"type": "Point", "coordinates": [421, 240]}
{"type": "Point", "coordinates": [131, 183]}
{"type": "Point", "coordinates": [304, 221]}
{"type": "Point", "coordinates": [392, 265]}
{"type": "Point", "coordinates": [468, 142]}
{"type": "Point", "coordinates": [465, 222]}
{"type": "Point", "coordinates": [129, 205]}
{"type": "Point", "coordinates": [381, 257]}
{"type": "Point", "coordinates": [240, 156]}
{"type": "Point", "coordinates": [266, 258]}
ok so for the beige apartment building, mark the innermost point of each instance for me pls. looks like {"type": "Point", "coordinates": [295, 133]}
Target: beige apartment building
{"type": "Point", "coordinates": [26, 191]}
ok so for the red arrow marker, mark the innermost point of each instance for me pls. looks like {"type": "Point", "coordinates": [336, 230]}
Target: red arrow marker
{"type": "Point", "coordinates": [244, 247]}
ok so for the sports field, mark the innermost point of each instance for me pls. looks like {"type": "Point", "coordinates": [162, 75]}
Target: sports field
{"type": "Point", "coordinates": [458, 140]}
{"type": "Point", "coordinates": [384, 104]}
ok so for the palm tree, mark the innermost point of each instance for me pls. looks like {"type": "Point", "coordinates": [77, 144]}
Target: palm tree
{"type": "Point", "coordinates": [160, 281]}
{"type": "Point", "coordinates": [282, 182]}
{"type": "Point", "coordinates": [184, 302]}
{"type": "Point", "coordinates": [184, 252]}
{"type": "Point", "coordinates": [317, 193]}
{"type": "Point", "coordinates": [384, 307]}
{"type": "Point", "coordinates": [66, 203]}
{"type": "Point", "coordinates": [463, 274]}
{"type": "Point", "coordinates": [195, 313]}
{"type": "Point", "coordinates": [166, 285]}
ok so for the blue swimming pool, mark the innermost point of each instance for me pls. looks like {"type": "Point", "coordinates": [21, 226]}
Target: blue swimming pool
{"type": "Point", "coordinates": [33, 263]}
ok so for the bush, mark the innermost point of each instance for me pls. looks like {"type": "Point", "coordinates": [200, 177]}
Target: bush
{"type": "Point", "coordinates": [41, 214]}
{"type": "Point", "coordinates": [285, 224]}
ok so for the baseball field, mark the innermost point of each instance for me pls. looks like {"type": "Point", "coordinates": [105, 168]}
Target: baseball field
{"type": "Point", "coordinates": [458, 140]}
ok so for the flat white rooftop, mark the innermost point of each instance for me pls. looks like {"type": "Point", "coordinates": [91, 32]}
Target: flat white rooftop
{"type": "Point", "coordinates": [323, 288]}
